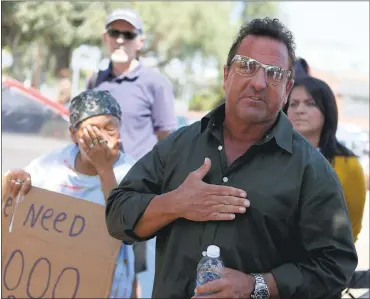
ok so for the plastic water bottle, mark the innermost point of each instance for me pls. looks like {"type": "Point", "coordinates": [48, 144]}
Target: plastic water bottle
{"type": "Point", "coordinates": [210, 266]}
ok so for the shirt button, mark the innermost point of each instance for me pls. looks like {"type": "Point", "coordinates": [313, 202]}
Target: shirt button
{"type": "Point", "coordinates": [220, 148]}
{"type": "Point", "coordinates": [225, 179]}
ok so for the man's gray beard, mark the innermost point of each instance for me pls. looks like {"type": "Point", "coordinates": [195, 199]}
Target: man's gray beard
{"type": "Point", "coordinates": [119, 57]}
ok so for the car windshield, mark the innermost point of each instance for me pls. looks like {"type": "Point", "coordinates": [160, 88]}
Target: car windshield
{"type": "Point", "coordinates": [23, 114]}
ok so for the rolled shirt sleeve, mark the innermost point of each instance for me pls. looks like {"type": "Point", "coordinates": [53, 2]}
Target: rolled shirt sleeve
{"type": "Point", "coordinates": [326, 236]}
{"type": "Point", "coordinates": [128, 201]}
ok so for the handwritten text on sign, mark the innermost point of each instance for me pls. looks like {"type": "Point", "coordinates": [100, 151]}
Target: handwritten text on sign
{"type": "Point", "coordinates": [55, 248]}
{"type": "Point", "coordinates": [8, 205]}
{"type": "Point", "coordinates": [43, 267]}
{"type": "Point", "coordinates": [47, 218]}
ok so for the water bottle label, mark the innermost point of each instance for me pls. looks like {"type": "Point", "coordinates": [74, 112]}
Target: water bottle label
{"type": "Point", "coordinates": [206, 276]}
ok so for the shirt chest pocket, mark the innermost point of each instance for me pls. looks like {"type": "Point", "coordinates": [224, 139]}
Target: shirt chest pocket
{"type": "Point", "coordinates": [273, 214]}
{"type": "Point", "coordinates": [263, 234]}
{"type": "Point", "coordinates": [279, 203]}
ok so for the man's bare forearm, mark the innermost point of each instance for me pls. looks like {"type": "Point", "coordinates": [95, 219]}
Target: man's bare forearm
{"type": "Point", "coordinates": [135, 289]}
{"type": "Point", "coordinates": [272, 286]}
{"type": "Point", "coordinates": [161, 211]}
{"type": "Point", "coordinates": [270, 281]}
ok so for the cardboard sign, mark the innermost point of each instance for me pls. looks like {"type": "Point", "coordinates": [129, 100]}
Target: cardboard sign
{"type": "Point", "coordinates": [7, 208]}
{"type": "Point", "coordinates": [59, 247]}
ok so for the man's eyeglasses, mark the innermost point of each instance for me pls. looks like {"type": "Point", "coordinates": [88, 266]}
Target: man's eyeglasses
{"type": "Point", "coordinates": [248, 67]}
{"type": "Point", "coordinates": [127, 35]}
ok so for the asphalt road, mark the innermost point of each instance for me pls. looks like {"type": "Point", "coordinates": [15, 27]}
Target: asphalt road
{"type": "Point", "coordinates": [18, 151]}
{"type": "Point", "coordinates": [362, 247]}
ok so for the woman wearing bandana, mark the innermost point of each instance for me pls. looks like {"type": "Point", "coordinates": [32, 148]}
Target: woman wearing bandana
{"type": "Point", "coordinates": [89, 168]}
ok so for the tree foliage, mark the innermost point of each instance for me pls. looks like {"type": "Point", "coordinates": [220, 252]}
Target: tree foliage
{"type": "Point", "coordinates": [173, 29]}
{"type": "Point", "coordinates": [259, 10]}
{"type": "Point", "coordinates": [214, 95]}
{"type": "Point", "coordinates": [180, 30]}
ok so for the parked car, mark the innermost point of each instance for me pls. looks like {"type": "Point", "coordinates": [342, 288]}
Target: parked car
{"type": "Point", "coordinates": [32, 125]}
{"type": "Point", "coordinates": [25, 110]}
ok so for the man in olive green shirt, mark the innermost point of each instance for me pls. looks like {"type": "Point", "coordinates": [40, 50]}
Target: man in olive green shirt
{"type": "Point", "coordinates": [244, 180]}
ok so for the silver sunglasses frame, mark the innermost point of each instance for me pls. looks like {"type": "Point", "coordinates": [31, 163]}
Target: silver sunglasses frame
{"type": "Point", "coordinates": [287, 73]}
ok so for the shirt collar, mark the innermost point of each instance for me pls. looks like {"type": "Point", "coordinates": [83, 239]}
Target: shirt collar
{"type": "Point", "coordinates": [131, 75]}
{"type": "Point", "coordinates": [282, 131]}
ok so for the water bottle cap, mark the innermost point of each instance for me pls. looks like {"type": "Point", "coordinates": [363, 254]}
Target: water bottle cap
{"type": "Point", "coordinates": [213, 251]}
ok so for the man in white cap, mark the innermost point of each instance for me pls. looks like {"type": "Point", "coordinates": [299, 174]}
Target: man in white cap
{"type": "Point", "coordinates": [150, 116]}
{"type": "Point", "coordinates": [144, 94]}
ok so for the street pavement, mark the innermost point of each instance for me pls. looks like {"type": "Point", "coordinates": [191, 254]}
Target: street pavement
{"type": "Point", "coordinates": [362, 247]}
{"type": "Point", "coordinates": [19, 150]}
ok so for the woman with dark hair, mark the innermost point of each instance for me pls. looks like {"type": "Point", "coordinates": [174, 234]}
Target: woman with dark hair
{"type": "Point", "coordinates": [301, 68]}
{"type": "Point", "coordinates": [313, 111]}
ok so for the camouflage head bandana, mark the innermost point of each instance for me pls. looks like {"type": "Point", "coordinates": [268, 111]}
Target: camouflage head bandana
{"type": "Point", "coordinates": [92, 103]}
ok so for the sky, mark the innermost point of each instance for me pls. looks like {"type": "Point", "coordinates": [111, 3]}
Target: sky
{"type": "Point", "coordinates": [332, 36]}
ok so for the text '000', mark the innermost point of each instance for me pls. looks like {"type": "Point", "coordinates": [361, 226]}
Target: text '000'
{"type": "Point", "coordinates": [43, 267]}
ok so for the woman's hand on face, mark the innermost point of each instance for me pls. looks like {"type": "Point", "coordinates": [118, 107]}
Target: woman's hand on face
{"type": "Point", "coordinates": [18, 181]}
{"type": "Point", "coordinates": [97, 150]}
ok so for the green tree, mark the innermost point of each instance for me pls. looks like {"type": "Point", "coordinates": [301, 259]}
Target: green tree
{"type": "Point", "coordinates": [259, 10]}
{"type": "Point", "coordinates": [62, 26]}
{"type": "Point", "coordinates": [207, 99]}
{"type": "Point", "coordinates": [55, 28]}
{"type": "Point", "coordinates": [173, 29]}
{"type": "Point", "coordinates": [180, 30]}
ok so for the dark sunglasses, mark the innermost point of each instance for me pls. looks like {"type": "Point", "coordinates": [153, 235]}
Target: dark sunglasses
{"type": "Point", "coordinates": [127, 35]}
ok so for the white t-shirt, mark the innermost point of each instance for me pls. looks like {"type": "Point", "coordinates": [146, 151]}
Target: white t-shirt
{"type": "Point", "coordinates": [55, 172]}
